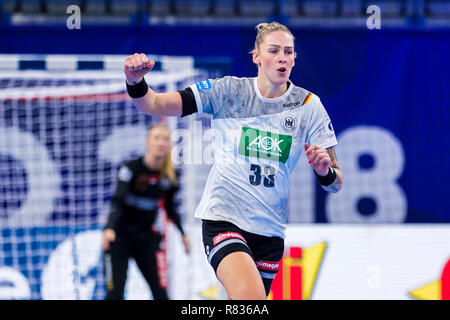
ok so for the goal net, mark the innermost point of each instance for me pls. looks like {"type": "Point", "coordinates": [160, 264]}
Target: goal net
{"type": "Point", "coordinates": [66, 123]}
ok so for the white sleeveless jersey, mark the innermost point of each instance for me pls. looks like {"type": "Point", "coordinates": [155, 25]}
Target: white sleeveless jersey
{"type": "Point", "coordinates": [257, 143]}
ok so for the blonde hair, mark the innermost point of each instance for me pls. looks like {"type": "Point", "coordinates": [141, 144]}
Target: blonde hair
{"type": "Point", "coordinates": [265, 28]}
{"type": "Point", "coordinates": [167, 168]}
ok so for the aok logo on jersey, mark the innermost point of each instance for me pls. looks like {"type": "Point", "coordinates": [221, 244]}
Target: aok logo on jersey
{"type": "Point", "coordinates": [264, 144]}
{"type": "Point", "coordinates": [436, 290]}
{"type": "Point", "coordinates": [297, 273]}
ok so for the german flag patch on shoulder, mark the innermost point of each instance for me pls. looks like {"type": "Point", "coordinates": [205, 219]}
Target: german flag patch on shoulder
{"type": "Point", "coordinates": [308, 97]}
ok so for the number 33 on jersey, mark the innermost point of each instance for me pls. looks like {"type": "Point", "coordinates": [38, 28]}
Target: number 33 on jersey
{"type": "Point", "coordinates": [257, 143]}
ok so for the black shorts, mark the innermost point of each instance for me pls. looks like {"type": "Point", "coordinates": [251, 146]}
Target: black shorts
{"type": "Point", "coordinates": [221, 238]}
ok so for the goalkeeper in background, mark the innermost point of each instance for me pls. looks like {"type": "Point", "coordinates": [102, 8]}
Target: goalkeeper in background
{"type": "Point", "coordinates": [142, 185]}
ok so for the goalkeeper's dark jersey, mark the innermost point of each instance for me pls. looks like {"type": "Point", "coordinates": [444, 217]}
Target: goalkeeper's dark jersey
{"type": "Point", "coordinates": [139, 194]}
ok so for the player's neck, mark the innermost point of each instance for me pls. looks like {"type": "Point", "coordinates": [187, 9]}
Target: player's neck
{"type": "Point", "coordinates": [153, 163]}
{"type": "Point", "coordinates": [269, 90]}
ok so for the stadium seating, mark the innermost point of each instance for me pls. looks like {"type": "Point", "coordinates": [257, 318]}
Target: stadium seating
{"type": "Point", "coordinates": [234, 9]}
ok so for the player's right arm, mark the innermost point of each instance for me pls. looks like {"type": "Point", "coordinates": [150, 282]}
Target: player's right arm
{"type": "Point", "coordinates": [158, 104]}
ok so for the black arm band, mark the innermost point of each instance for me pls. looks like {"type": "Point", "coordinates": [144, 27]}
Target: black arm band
{"type": "Point", "coordinates": [189, 104]}
{"type": "Point", "coordinates": [328, 179]}
{"type": "Point", "coordinates": [138, 90]}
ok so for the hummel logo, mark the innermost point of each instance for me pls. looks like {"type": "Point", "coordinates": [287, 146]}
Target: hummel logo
{"type": "Point", "coordinates": [291, 104]}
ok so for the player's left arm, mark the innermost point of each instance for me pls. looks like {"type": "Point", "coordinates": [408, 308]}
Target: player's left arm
{"type": "Point", "coordinates": [325, 164]}
{"type": "Point", "coordinates": [337, 184]}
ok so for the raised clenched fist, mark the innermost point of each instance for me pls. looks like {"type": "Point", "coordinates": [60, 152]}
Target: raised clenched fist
{"type": "Point", "coordinates": [136, 66]}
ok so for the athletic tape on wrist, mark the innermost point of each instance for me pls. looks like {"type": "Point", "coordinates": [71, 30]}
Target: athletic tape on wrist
{"type": "Point", "coordinates": [328, 179]}
{"type": "Point", "coordinates": [138, 90]}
